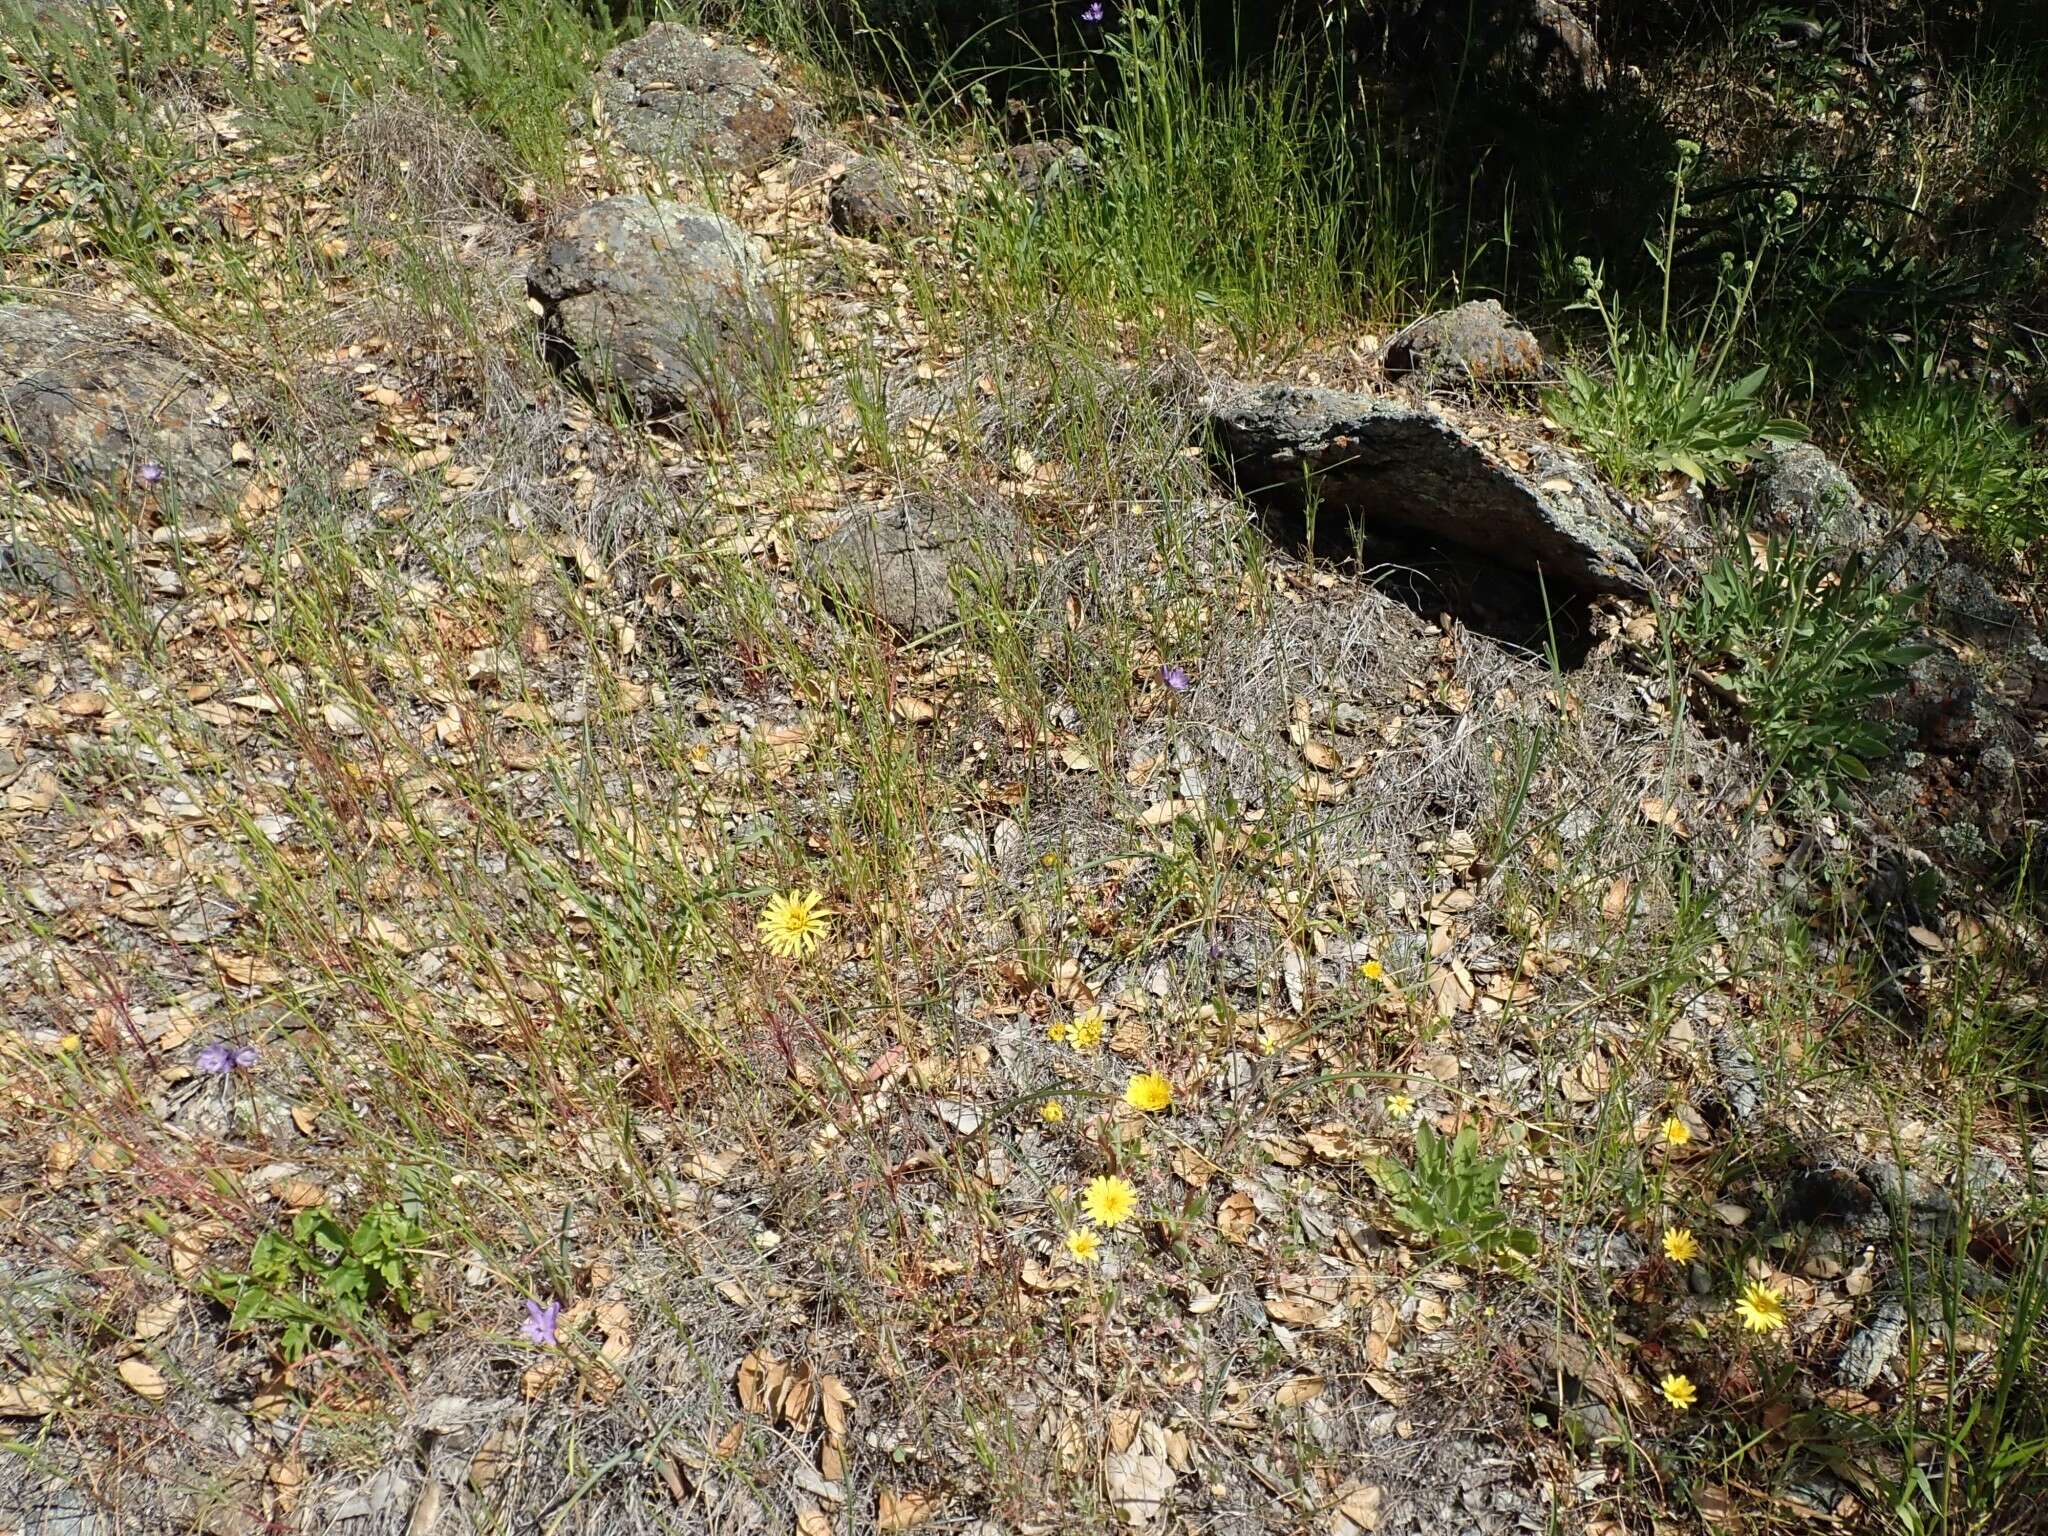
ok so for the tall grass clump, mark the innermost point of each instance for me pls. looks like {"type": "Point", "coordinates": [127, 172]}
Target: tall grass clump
{"type": "Point", "coordinates": [1940, 444]}
{"type": "Point", "coordinates": [1248, 194]}
{"type": "Point", "coordinates": [511, 65]}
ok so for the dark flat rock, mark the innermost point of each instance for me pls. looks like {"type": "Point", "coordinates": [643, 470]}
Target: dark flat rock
{"type": "Point", "coordinates": [1368, 462]}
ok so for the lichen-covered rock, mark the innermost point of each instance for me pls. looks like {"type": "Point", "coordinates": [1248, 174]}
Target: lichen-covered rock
{"type": "Point", "coordinates": [1369, 461]}
{"type": "Point", "coordinates": [1476, 343]}
{"type": "Point", "coordinates": [903, 561]}
{"type": "Point", "coordinates": [870, 202]}
{"type": "Point", "coordinates": [664, 303]}
{"type": "Point", "coordinates": [90, 405]}
{"type": "Point", "coordinates": [673, 93]}
{"type": "Point", "coordinates": [1807, 496]}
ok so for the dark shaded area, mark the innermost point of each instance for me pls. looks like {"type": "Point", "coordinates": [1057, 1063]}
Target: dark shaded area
{"type": "Point", "coordinates": [1515, 607]}
{"type": "Point", "coordinates": [1543, 130]}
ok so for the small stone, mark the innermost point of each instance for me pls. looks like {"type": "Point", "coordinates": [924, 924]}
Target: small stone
{"type": "Point", "coordinates": [1872, 1347]}
{"type": "Point", "coordinates": [1476, 343]}
{"type": "Point", "coordinates": [32, 568]}
{"type": "Point", "coordinates": [674, 93]}
{"type": "Point", "coordinates": [1804, 494]}
{"type": "Point", "coordinates": [666, 304]}
{"type": "Point", "coordinates": [1044, 166]}
{"type": "Point", "coordinates": [91, 400]}
{"type": "Point", "coordinates": [902, 561]}
{"type": "Point", "coordinates": [870, 202]}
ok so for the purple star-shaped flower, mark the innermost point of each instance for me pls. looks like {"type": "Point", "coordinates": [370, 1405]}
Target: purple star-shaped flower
{"type": "Point", "coordinates": [1093, 14]}
{"type": "Point", "coordinates": [1175, 676]}
{"type": "Point", "coordinates": [150, 473]}
{"type": "Point", "coordinates": [220, 1058]}
{"type": "Point", "coordinates": [539, 1326]}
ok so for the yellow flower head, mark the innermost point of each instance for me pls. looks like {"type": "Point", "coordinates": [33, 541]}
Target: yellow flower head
{"type": "Point", "coordinates": [1085, 1033]}
{"type": "Point", "coordinates": [1148, 1093]}
{"type": "Point", "coordinates": [1109, 1201]}
{"type": "Point", "coordinates": [1084, 1245]}
{"type": "Point", "coordinates": [1052, 1112]}
{"type": "Point", "coordinates": [1372, 970]}
{"type": "Point", "coordinates": [1761, 1309]}
{"type": "Point", "coordinates": [1676, 1132]}
{"type": "Point", "coordinates": [1270, 1040]}
{"type": "Point", "coordinates": [1056, 1031]}
{"type": "Point", "coordinates": [1400, 1106]}
{"type": "Point", "coordinates": [1679, 1391]}
{"type": "Point", "coordinates": [794, 923]}
{"type": "Point", "coordinates": [1680, 1246]}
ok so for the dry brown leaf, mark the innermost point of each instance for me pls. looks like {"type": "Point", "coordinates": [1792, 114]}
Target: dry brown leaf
{"type": "Point", "coordinates": [299, 1194]}
{"type": "Point", "coordinates": [1614, 905]}
{"type": "Point", "coordinates": [32, 1397]}
{"type": "Point", "coordinates": [838, 1405]}
{"type": "Point", "coordinates": [1236, 1217]}
{"type": "Point", "coordinates": [1164, 812]}
{"type": "Point", "coordinates": [913, 710]}
{"type": "Point", "coordinates": [1659, 813]}
{"type": "Point", "coordinates": [1138, 1483]}
{"type": "Point", "coordinates": [1357, 1511]}
{"type": "Point", "coordinates": [155, 1319]}
{"type": "Point", "coordinates": [143, 1379]}
{"type": "Point", "coordinates": [896, 1511]}
{"type": "Point", "coordinates": [1297, 1390]}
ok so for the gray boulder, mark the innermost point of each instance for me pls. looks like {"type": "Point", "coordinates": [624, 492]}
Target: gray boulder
{"type": "Point", "coordinates": [1368, 462]}
{"type": "Point", "coordinates": [664, 303]}
{"type": "Point", "coordinates": [1476, 343]}
{"type": "Point", "coordinates": [1803, 494]}
{"type": "Point", "coordinates": [674, 93]}
{"type": "Point", "coordinates": [870, 202]}
{"type": "Point", "coordinates": [90, 405]}
{"type": "Point", "coordinates": [903, 561]}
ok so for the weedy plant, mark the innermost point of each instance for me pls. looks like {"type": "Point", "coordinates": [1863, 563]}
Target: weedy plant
{"type": "Point", "coordinates": [1804, 647]}
{"type": "Point", "coordinates": [1940, 444]}
{"type": "Point", "coordinates": [1666, 402]}
{"type": "Point", "coordinates": [1254, 197]}
{"type": "Point", "coordinates": [321, 1280]}
{"type": "Point", "coordinates": [1452, 1197]}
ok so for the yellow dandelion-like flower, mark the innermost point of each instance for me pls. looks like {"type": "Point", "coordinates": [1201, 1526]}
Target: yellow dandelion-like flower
{"type": "Point", "coordinates": [1148, 1093]}
{"type": "Point", "coordinates": [1680, 1246]}
{"type": "Point", "coordinates": [1084, 1245]}
{"type": "Point", "coordinates": [794, 923]}
{"type": "Point", "coordinates": [1676, 1132]}
{"type": "Point", "coordinates": [1109, 1201]}
{"type": "Point", "coordinates": [1679, 1391]}
{"type": "Point", "coordinates": [1372, 970]}
{"type": "Point", "coordinates": [1052, 1111]}
{"type": "Point", "coordinates": [1056, 1031]}
{"type": "Point", "coordinates": [1761, 1309]}
{"type": "Point", "coordinates": [1400, 1106]}
{"type": "Point", "coordinates": [1085, 1033]}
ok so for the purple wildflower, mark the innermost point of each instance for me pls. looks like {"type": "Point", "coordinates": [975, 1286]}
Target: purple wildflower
{"type": "Point", "coordinates": [1175, 676]}
{"type": "Point", "coordinates": [539, 1326]}
{"type": "Point", "coordinates": [220, 1058]}
{"type": "Point", "coordinates": [1093, 14]}
{"type": "Point", "coordinates": [150, 473]}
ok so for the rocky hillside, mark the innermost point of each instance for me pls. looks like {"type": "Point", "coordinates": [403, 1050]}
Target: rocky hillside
{"type": "Point", "coordinates": [679, 856]}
